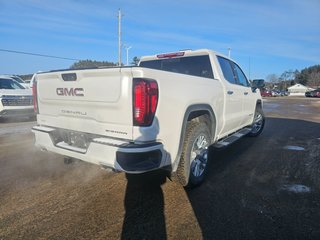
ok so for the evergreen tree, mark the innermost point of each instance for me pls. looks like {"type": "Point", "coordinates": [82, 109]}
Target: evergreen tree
{"type": "Point", "coordinates": [91, 64]}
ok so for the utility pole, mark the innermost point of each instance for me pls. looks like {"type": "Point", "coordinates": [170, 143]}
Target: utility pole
{"type": "Point", "coordinates": [127, 49]}
{"type": "Point", "coordinates": [119, 37]}
{"type": "Point", "coordinates": [249, 68]}
{"type": "Point", "coordinates": [229, 52]}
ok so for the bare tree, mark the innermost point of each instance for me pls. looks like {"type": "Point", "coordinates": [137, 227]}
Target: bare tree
{"type": "Point", "coordinates": [273, 78]}
{"type": "Point", "coordinates": [288, 75]}
{"type": "Point", "coordinates": [314, 79]}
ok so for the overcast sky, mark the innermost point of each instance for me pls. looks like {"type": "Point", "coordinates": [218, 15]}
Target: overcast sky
{"type": "Point", "coordinates": [269, 36]}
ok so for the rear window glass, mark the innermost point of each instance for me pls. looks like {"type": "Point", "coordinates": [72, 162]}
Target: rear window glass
{"type": "Point", "coordinates": [196, 66]}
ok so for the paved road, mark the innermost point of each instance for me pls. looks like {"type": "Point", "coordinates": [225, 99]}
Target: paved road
{"type": "Point", "coordinates": [259, 188]}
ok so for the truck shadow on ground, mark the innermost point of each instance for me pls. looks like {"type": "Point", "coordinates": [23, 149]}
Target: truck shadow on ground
{"type": "Point", "coordinates": [144, 201]}
{"type": "Point", "coordinates": [243, 195]}
{"type": "Point", "coordinates": [17, 119]}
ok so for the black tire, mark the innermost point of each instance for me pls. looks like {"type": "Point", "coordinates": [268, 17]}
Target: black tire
{"type": "Point", "coordinates": [194, 157]}
{"type": "Point", "coordinates": [258, 122]}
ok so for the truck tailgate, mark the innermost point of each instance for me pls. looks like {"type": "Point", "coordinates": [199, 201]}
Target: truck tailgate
{"type": "Point", "coordinates": [97, 101]}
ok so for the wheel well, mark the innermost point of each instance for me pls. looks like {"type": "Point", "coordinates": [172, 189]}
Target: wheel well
{"type": "Point", "coordinates": [203, 116]}
{"type": "Point", "coordinates": [196, 113]}
{"type": "Point", "coordinates": [259, 104]}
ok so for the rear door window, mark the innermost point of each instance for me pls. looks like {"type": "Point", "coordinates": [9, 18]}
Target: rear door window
{"type": "Point", "coordinates": [242, 80]}
{"type": "Point", "coordinates": [227, 71]}
{"type": "Point", "coordinates": [196, 65]}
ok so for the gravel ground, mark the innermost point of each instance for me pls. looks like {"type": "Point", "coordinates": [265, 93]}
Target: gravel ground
{"type": "Point", "coordinates": [258, 188]}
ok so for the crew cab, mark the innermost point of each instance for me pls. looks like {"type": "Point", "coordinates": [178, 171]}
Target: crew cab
{"type": "Point", "coordinates": [163, 113]}
{"type": "Point", "coordinates": [15, 100]}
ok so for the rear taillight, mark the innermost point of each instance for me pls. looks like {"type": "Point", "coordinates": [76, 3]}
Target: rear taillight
{"type": "Point", "coordinates": [35, 97]}
{"type": "Point", "coordinates": [145, 100]}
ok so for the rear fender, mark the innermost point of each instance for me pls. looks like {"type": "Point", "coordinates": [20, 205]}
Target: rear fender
{"type": "Point", "coordinates": [194, 112]}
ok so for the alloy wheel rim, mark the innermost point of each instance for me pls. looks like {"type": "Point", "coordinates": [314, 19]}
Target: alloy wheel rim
{"type": "Point", "coordinates": [199, 155]}
{"type": "Point", "coordinates": [257, 124]}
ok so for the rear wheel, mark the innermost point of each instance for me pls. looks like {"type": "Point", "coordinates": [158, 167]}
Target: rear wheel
{"type": "Point", "coordinates": [258, 122]}
{"type": "Point", "coordinates": [194, 158]}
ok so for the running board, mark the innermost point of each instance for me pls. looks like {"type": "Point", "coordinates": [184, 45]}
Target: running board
{"type": "Point", "coordinates": [232, 138]}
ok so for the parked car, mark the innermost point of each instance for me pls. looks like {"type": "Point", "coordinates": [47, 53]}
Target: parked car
{"type": "Point", "coordinates": [308, 94]}
{"type": "Point", "coordinates": [284, 93]}
{"type": "Point", "coordinates": [19, 80]}
{"type": "Point", "coordinates": [266, 93]}
{"type": "Point", "coordinates": [314, 93]}
{"type": "Point", "coordinates": [276, 93]}
{"type": "Point", "coordinates": [15, 100]}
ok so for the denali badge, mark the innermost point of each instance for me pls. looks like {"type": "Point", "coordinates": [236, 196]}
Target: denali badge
{"type": "Point", "coordinates": [70, 92]}
{"type": "Point", "coordinates": [74, 112]}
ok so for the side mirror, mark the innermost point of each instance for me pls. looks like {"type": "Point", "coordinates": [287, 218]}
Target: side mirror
{"type": "Point", "coordinates": [257, 83]}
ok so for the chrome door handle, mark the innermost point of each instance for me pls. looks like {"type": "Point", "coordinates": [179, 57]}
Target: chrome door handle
{"type": "Point", "coordinates": [230, 92]}
{"type": "Point", "coordinates": [245, 93]}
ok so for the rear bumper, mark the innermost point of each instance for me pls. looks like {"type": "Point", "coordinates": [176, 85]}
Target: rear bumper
{"type": "Point", "coordinates": [116, 154]}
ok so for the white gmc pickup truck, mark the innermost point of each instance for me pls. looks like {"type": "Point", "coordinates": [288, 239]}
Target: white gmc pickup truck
{"type": "Point", "coordinates": [163, 113]}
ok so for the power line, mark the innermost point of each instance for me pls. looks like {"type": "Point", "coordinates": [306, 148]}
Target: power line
{"type": "Point", "coordinates": [38, 55]}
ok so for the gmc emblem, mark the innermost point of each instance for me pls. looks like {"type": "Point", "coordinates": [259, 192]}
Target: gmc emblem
{"type": "Point", "coordinates": [70, 92]}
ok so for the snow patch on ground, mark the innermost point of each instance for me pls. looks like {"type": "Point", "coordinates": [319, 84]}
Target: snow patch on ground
{"type": "Point", "coordinates": [294, 148]}
{"type": "Point", "coordinates": [296, 188]}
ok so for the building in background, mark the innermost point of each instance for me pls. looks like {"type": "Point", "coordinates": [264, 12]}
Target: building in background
{"type": "Point", "coordinates": [298, 90]}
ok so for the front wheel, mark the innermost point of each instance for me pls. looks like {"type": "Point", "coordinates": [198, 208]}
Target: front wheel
{"type": "Point", "coordinates": [258, 123]}
{"type": "Point", "coordinates": [194, 158]}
